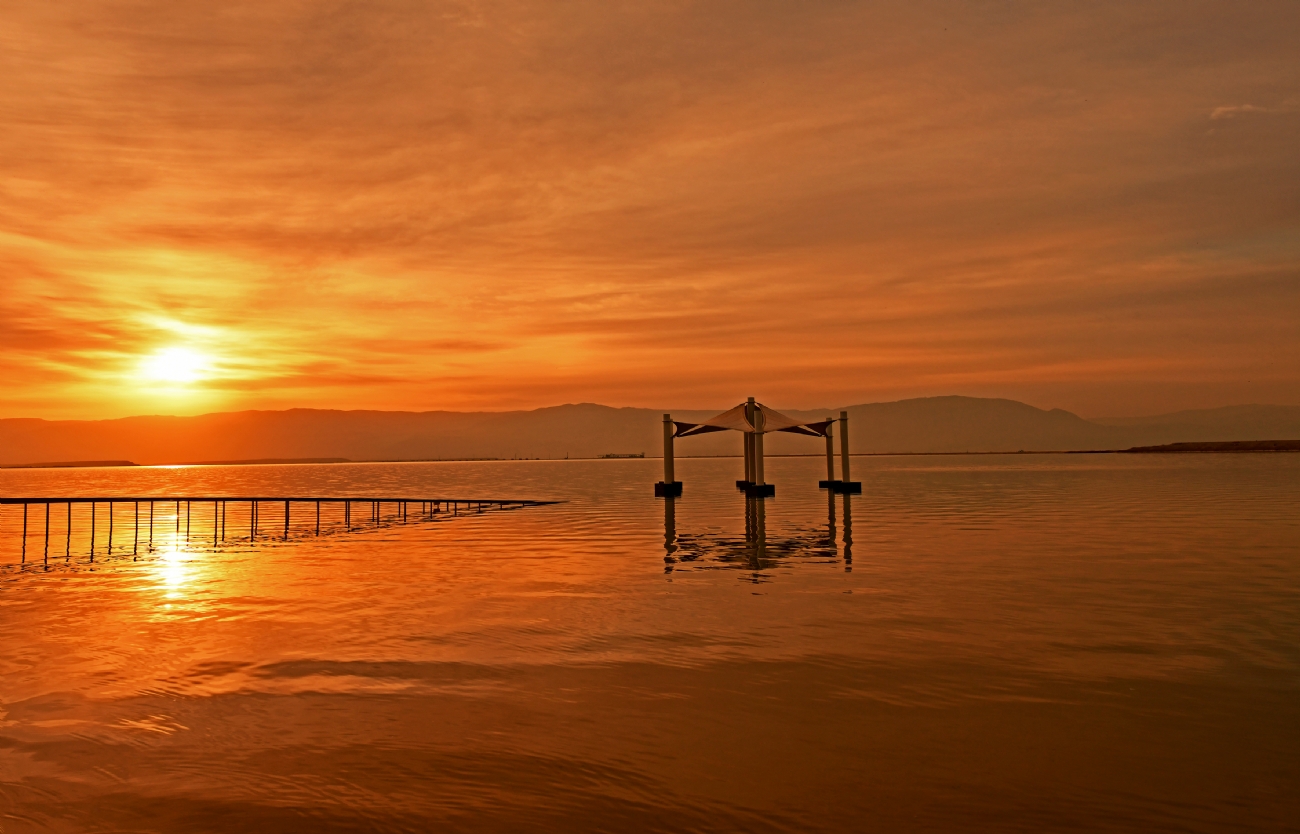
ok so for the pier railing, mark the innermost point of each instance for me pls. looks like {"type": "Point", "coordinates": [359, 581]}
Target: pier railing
{"type": "Point", "coordinates": [206, 517]}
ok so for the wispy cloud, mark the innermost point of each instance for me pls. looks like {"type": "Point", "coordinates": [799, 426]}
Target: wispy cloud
{"type": "Point", "coordinates": [1232, 111]}
{"type": "Point", "coordinates": [504, 203]}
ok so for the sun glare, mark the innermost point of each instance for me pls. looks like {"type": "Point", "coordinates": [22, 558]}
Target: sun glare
{"type": "Point", "coordinates": [176, 365]}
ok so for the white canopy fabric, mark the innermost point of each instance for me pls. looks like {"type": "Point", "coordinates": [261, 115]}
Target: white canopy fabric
{"type": "Point", "coordinates": [768, 420]}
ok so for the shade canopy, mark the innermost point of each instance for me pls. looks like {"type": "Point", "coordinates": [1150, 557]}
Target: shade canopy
{"type": "Point", "coordinates": [767, 420]}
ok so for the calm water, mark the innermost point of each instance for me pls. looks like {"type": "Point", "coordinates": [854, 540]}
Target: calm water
{"type": "Point", "coordinates": [975, 643]}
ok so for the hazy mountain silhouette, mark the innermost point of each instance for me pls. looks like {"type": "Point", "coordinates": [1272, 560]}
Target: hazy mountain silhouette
{"type": "Point", "coordinates": [932, 424]}
{"type": "Point", "coordinates": [1242, 422]}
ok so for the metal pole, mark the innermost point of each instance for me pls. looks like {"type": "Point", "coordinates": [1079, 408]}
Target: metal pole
{"type": "Point", "coordinates": [252, 521]}
{"type": "Point", "coordinates": [844, 446]}
{"type": "Point", "coordinates": [286, 520]}
{"type": "Point", "coordinates": [151, 525]}
{"type": "Point", "coordinates": [187, 521]}
{"type": "Point", "coordinates": [92, 531]}
{"type": "Point", "coordinates": [24, 532]}
{"type": "Point", "coordinates": [67, 545]}
{"type": "Point", "coordinates": [47, 531]}
{"type": "Point", "coordinates": [110, 528]}
{"type": "Point", "coordinates": [830, 453]}
{"type": "Point", "coordinates": [669, 476]}
{"type": "Point", "coordinates": [178, 518]}
{"type": "Point", "coordinates": [135, 544]}
{"type": "Point", "coordinates": [216, 522]}
{"type": "Point", "coordinates": [318, 518]}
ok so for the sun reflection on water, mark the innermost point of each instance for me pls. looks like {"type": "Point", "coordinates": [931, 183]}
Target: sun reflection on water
{"type": "Point", "coordinates": [175, 571]}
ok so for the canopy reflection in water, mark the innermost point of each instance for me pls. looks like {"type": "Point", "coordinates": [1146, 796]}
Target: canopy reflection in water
{"type": "Point", "coordinates": [755, 551]}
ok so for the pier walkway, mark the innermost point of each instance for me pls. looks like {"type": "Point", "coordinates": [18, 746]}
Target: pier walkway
{"type": "Point", "coordinates": [138, 520]}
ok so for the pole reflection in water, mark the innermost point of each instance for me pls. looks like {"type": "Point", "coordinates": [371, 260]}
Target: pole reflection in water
{"type": "Point", "coordinates": [756, 535]}
{"type": "Point", "coordinates": [848, 531]}
{"type": "Point", "coordinates": [830, 518]}
{"type": "Point", "coordinates": [670, 534]}
{"type": "Point", "coordinates": [758, 551]}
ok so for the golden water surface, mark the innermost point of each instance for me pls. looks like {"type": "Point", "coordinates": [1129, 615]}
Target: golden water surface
{"type": "Point", "coordinates": [987, 643]}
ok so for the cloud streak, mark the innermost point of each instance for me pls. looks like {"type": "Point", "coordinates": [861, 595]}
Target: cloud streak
{"type": "Point", "coordinates": [507, 204]}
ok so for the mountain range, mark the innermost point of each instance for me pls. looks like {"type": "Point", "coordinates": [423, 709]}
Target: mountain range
{"type": "Point", "coordinates": [926, 425]}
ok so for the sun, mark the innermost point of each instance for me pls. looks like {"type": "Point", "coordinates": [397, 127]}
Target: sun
{"type": "Point", "coordinates": [176, 365]}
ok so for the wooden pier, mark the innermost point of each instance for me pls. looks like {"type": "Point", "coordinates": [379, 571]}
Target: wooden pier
{"type": "Point", "coordinates": [205, 517]}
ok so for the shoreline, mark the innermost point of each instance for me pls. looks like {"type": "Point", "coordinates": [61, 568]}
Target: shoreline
{"type": "Point", "coordinates": [1212, 447]}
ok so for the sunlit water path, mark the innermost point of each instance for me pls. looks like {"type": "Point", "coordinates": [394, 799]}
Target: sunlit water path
{"type": "Point", "coordinates": [975, 643]}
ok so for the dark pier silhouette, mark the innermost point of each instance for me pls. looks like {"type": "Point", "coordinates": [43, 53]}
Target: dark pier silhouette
{"type": "Point", "coordinates": [323, 515]}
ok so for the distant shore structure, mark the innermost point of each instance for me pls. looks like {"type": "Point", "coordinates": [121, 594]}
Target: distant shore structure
{"type": "Point", "coordinates": [618, 456]}
{"type": "Point", "coordinates": [753, 420]}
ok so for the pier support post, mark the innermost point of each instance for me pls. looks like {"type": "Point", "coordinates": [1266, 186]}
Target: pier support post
{"type": "Point", "coordinates": [669, 487]}
{"type": "Point", "coordinates": [846, 484]}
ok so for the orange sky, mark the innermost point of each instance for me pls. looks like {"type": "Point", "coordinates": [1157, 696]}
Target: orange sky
{"type": "Point", "coordinates": [467, 205]}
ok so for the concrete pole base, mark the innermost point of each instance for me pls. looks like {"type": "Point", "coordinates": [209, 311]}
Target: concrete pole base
{"type": "Point", "coordinates": [831, 485]}
{"type": "Point", "coordinates": [668, 490]}
{"type": "Point", "coordinates": [744, 485]}
{"type": "Point", "coordinates": [848, 487]}
{"type": "Point", "coordinates": [760, 491]}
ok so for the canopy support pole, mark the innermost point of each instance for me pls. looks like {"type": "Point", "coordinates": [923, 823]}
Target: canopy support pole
{"type": "Point", "coordinates": [830, 482]}
{"type": "Point", "coordinates": [669, 487]}
{"type": "Point", "coordinates": [747, 444]}
{"type": "Point", "coordinates": [846, 485]}
{"type": "Point", "coordinates": [759, 488]}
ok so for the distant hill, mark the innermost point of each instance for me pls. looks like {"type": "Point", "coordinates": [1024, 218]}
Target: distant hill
{"type": "Point", "coordinates": [932, 424]}
{"type": "Point", "coordinates": [1235, 422]}
{"type": "Point", "coordinates": [1222, 446]}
